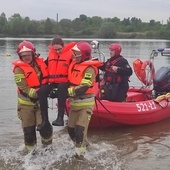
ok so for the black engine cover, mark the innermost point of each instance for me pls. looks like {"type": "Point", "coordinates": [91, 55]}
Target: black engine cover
{"type": "Point", "coordinates": [161, 81]}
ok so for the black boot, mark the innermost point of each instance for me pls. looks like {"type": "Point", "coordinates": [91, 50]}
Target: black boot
{"type": "Point", "coordinates": [59, 121]}
{"type": "Point", "coordinates": [45, 122]}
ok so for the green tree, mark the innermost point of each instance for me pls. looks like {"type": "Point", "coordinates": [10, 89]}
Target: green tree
{"type": "Point", "coordinates": [126, 21]}
{"type": "Point", "coordinates": [80, 23]}
{"type": "Point", "coordinates": [49, 25]}
{"type": "Point", "coordinates": [65, 26]}
{"type": "Point", "coordinates": [107, 30]}
{"type": "Point", "coordinates": [15, 24]}
{"type": "Point", "coordinates": [83, 18]}
{"type": "Point", "coordinates": [136, 24]}
{"type": "Point", "coordinates": [94, 24]}
{"type": "Point", "coordinates": [33, 28]}
{"type": "Point", "coordinates": [3, 23]}
{"type": "Point", "coordinates": [26, 25]}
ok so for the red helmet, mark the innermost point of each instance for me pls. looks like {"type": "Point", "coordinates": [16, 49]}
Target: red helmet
{"type": "Point", "coordinates": [85, 50]}
{"type": "Point", "coordinates": [116, 47]}
{"type": "Point", "coordinates": [25, 46]}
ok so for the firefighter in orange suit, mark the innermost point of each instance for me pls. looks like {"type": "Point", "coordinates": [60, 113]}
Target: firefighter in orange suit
{"type": "Point", "coordinates": [29, 73]}
{"type": "Point", "coordinates": [81, 75]}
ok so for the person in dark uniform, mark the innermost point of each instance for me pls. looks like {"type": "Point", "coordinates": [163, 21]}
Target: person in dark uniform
{"type": "Point", "coordinates": [116, 78]}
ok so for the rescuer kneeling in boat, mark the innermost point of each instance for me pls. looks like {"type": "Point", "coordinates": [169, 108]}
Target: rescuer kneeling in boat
{"type": "Point", "coordinates": [116, 77]}
{"type": "Point", "coordinates": [82, 73]}
{"type": "Point", "coordinates": [30, 72]}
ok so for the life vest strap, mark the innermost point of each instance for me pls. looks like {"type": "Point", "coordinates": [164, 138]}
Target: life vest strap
{"type": "Point", "coordinates": [58, 76]}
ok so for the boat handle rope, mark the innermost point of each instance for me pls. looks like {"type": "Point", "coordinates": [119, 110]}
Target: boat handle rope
{"type": "Point", "coordinates": [163, 107]}
{"type": "Point", "coordinates": [103, 107]}
{"type": "Point", "coordinates": [163, 97]}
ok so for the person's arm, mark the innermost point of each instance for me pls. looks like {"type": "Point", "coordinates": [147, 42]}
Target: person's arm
{"type": "Point", "coordinates": [21, 83]}
{"type": "Point", "coordinates": [125, 69]}
{"type": "Point", "coordinates": [88, 78]}
{"type": "Point", "coordinates": [103, 67]}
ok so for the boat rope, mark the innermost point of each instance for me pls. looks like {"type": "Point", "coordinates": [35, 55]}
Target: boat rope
{"type": "Point", "coordinates": [140, 89]}
{"type": "Point", "coordinates": [147, 95]}
{"type": "Point", "coordinates": [103, 107]}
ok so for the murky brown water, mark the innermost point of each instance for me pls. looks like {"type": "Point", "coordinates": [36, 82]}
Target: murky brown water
{"type": "Point", "coordinates": [122, 148]}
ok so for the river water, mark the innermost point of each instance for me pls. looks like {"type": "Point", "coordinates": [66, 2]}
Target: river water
{"type": "Point", "coordinates": [122, 148]}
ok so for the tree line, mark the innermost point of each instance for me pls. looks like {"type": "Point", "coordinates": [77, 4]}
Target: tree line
{"type": "Point", "coordinates": [83, 27]}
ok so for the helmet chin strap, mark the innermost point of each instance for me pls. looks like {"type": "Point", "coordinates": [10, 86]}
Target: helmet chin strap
{"type": "Point", "coordinates": [32, 63]}
{"type": "Point", "coordinates": [37, 54]}
{"type": "Point", "coordinates": [33, 60]}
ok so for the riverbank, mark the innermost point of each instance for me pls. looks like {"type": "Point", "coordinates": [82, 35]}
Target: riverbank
{"type": "Point", "coordinates": [119, 35]}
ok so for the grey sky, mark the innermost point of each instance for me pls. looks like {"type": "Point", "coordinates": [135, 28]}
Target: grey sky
{"type": "Point", "coordinates": [159, 10]}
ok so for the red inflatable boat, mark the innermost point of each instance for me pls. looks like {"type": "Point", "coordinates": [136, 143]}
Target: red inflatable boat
{"type": "Point", "coordinates": [138, 109]}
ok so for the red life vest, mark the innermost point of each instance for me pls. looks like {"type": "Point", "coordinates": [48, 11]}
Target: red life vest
{"type": "Point", "coordinates": [76, 72]}
{"type": "Point", "coordinates": [110, 76]}
{"type": "Point", "coordinates": [30, 74]}
{"type": "Point", "coordinates": [58, 65]}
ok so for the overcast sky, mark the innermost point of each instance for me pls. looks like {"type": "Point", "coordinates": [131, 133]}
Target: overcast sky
{"type": "Point", "coordinates": [159, 10]}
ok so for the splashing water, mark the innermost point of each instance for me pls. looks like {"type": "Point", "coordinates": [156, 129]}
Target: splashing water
{"type": "Point", "coordinates": [98, 156]}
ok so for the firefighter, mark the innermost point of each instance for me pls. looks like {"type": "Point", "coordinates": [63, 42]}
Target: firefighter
{"type": "Point", "coordinates": [82, 74]}
{"type": "Point", "coordinates": [30, 72]}
{"type": "Point", "coordinates": [116, 78]}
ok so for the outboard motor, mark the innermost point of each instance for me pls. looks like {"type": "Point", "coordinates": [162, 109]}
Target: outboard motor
{"type": "Point", "coordinates": [161, 81]}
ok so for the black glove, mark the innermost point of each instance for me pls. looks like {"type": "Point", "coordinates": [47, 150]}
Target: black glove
{"type": "Point", "coordinates": [34, 100]}
{"type": "Point", "coordinates": [54, 93]}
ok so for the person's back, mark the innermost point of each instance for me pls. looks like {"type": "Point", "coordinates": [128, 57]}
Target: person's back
{"type": "Point", "coordinates": [116, 77]}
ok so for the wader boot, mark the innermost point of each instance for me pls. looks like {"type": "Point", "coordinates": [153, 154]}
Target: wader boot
{"type": "Point", "coordinates": [59, 121]}
{"type": "Point", "coordinates": [45, 122]}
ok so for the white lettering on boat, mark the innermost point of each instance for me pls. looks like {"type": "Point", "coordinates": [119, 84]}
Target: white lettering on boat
{"type": "Point", "coordinates": [142, 107]}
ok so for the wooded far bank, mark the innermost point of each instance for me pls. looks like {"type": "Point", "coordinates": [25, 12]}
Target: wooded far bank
{"type": "Point", "coordinates": [83, 27]}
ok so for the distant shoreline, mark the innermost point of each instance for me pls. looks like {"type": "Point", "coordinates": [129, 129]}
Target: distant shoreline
{"type": "Point", "coordinates": [118, 36]}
